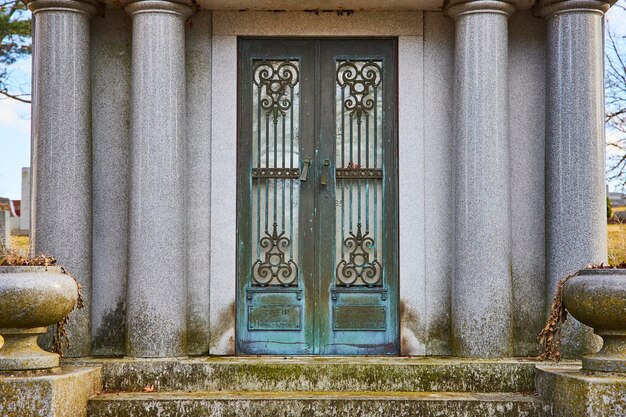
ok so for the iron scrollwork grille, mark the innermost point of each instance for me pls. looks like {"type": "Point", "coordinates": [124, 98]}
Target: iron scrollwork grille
{"type": "Point", "coordinates": [359, 173]}
{"type": "Point", "coordinates": [275, 171]}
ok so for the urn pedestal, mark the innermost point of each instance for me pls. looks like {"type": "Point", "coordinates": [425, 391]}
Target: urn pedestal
{"type": "Point", "coordinates": [597, 298]}
{"type": "Point", "coordinates": [31, 299]}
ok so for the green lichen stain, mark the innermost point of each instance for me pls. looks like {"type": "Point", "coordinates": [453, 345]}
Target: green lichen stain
{"type": "Point", "coordinates": [583, 394]}
{"type": "Point", "coordinates": [318, 403]}
{"type": "Point", "coordinates": [438, 335]}
{"type": "Point", "coordinates": [307, 374]}
{"type": "Point", "coordinates": [198, 335]}
{"type": "Point", "coordinates": [109, 337]}
{"type": "Point", "coordinates": [62, 392]}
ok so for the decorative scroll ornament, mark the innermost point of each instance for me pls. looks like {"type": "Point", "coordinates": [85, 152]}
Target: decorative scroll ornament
{"type": "Point", "coordinates": [274, 78]}
{"type": "Point", "coordinates": [359, 265]}
{"type": "Point", "coordinates": [274, 267]}
{"type": "Point", "coordinates": [360, 80]}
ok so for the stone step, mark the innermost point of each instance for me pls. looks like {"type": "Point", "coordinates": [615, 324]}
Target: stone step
{"type": "Point", "coordinates": [378, 374]}
{"type": "Point", "coordinates": [371, 404]}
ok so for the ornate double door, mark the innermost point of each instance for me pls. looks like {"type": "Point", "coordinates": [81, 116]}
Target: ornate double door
{"type": "Point", "coordinates": [317, 197]}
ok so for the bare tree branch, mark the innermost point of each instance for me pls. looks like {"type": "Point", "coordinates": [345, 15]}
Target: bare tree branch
{"type": "Point", "coordinates": [615, 114]}
{"type": "Point", "coordinates": [18, 97]}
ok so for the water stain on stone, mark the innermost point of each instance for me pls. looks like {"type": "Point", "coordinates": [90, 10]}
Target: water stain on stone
{"type": "Point", "coordinates": [438, 336]}
{"type": "Point", "coordinates": [412, 337]}
{"type": "Point", "coordinates": [223, 333]}
{"type": "Point", "coordinates": [198, 335]}
{"type": "Point", "coordinates": [109, 337]}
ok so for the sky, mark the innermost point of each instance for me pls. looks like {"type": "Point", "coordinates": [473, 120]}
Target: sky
{"type": "Point", "coordinates": [616, 23]}
{"type": "Point", "coordinates": [15, 133]}
{"type": "Point", "coordinates": [15, 117]}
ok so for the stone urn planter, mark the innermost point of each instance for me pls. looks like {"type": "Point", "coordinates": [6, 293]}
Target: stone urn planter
{"type": "Point", "coordinates": [31, 299]}
{"type": "Point", "coordinates": [597, 298]}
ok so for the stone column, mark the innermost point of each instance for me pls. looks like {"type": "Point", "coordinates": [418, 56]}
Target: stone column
{"type": "Point", "coordinates": [481, 296]}
{"type": "Point", "coordinates": [156, 311]}
{"type": "Point", "coordinates": [61, 146]}
{"type": "Point", "coordinates": [576, 232]}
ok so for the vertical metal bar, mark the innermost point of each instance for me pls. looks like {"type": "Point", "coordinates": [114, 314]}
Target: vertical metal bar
{"type": "Point", "coordinates": [343, 215]}
{"type": "Point", "coordinates": [358, 181]}
{"type": "Point", "coordinates": [267, 165]}
{"type": "Point", "coordinates": [375, 126]}
{"type": "Point", "coordinates": [367, 165]}
{"type": "Point", "coordinates": [351, 144]}
{"type": "Point", "coordinates": [343, 165]}
{"type": "Point", "coordinates": [258, 182]}
{"type": "Point", "coordinates": [343, 129]}
{"type": "Point", "coordinates": [367, 205]}
{"type": "Point", "coordinates": [375, 166]}
{"type": "Point", "coordinates": [351, 162]}
{"type": "Point", "coordinates": [283, 180]}
{"type": "Point", "coordinates": [367, 140]}
{"type": "Point", "coordinates": [275, 166]}
{"type": "Point", "coordinates": [291, 236]}
{"type": "Point", "coordinates": [358, 143]}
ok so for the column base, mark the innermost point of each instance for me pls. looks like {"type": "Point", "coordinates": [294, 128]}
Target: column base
{"type": "Point", "coordinates": [60, 392]}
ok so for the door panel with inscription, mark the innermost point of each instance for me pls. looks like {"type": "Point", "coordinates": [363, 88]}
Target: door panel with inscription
{"type": "Point", "coordinates": [317, 197]}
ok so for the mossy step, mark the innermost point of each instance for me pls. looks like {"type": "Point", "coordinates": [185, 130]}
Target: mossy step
{"type": "Point", "coordinates": [274, 404]}
{"type": "Point", "coordinates": [316, 374]}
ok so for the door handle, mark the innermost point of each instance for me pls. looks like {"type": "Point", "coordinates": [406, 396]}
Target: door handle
{"type": "Point", "coordinates": [306, 163]}
{"type": "Point", "coordinates": [325, 166]}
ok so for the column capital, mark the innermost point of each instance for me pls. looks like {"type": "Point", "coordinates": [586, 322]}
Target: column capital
{"type": "Point", "coordinates": [550, 8]}
{"type": "Point", "coordinates": [87, 7]}
{"type": "Point", "coordinates": [182, 8]}
{"type": "Point", "coordinates": [456, 8]}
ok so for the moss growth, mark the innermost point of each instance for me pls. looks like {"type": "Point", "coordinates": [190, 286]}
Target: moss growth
{"type": "Point", "coordinates": [197, 335]}
{"type": "Point", "coordinates": [109, 337]}
{"type": "Point", "coordinates": [310, 374]}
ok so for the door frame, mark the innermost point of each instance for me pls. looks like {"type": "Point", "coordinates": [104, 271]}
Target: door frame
{"type": "Point", "coordinates": [390, 188]}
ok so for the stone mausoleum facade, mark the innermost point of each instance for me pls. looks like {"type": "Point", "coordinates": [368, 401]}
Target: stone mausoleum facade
{"type": "Point", "coordinates": [401, 177]}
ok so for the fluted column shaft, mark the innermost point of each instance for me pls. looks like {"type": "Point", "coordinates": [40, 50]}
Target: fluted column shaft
{"type": "Point", "coordinates": [481, 298]}
{"type": "Point", "coordinates": [61, 147]}
{"type": "Point", "coordinates": [156, 315]}
{"type": "Point", "coordinates": [576, 232]}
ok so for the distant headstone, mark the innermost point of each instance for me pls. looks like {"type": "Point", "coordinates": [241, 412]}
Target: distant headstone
{"type": "Point", "coordinates": [25, 203]}
{"type": "Point", "coordinates": [5, 229]}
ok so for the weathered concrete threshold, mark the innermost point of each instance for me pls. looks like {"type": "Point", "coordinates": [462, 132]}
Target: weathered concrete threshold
{"type": "Point", "coordinates": [378, 374]}
{"type": "Point", "coordinates": [274, 404]}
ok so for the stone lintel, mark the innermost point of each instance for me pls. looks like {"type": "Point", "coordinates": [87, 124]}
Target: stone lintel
{"type": "Point", "coordinates": [62, 392]}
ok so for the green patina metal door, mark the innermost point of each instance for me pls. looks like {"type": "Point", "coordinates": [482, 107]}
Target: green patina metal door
{"type": "Point", "coordinates": [317, 197]}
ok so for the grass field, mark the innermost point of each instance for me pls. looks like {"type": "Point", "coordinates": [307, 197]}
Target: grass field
{"type": "Point", "coordinates": [20, 243]}
{"type": "Point", "coordinates": [617, 243]}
